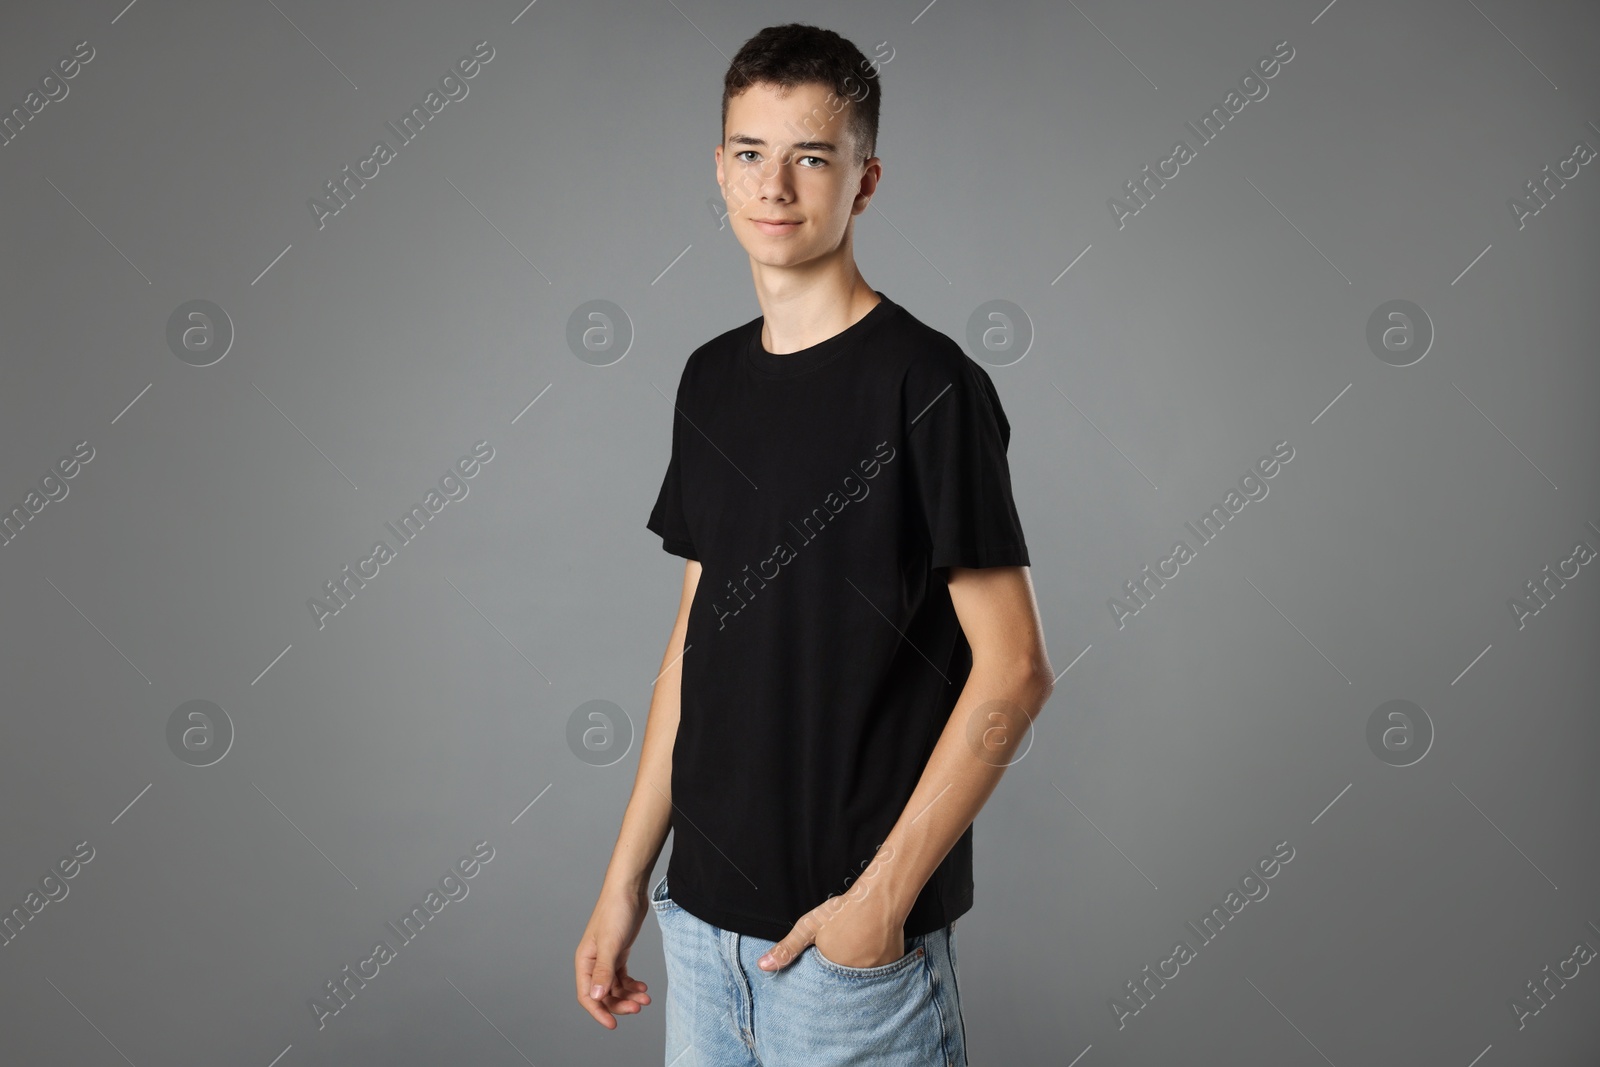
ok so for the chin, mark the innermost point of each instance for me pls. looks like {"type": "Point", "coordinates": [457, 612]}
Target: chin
{"type": "Point", "coordinates": [767, 258]}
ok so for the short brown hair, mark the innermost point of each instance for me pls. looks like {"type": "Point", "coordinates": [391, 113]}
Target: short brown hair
{"type": "Point", "coordinates": [797, 54]}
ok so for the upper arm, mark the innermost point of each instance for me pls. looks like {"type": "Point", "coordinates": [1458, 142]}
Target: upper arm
{"type": "Point", "coordinates": [1000, 616]}
{"type": "Point", "coordinates": [680, 627]}
{"type": "Point", "coordinates": [672, 658]}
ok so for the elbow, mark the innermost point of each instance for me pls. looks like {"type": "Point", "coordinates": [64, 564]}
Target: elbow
{"type": "Point", "coordinates": [1029, 681]}
{"type": "Point", "coordinates": [1040, 677]}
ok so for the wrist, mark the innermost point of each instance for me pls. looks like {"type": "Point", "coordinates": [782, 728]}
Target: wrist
{"type": "Point", "coordinates": [884, 884]}
{"type": "Point", "coordinates": [626, 885]}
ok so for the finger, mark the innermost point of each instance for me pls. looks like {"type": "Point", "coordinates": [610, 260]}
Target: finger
{"type": "Point", "coordinates": [600, 981]}
{"type": "Point", "coordinates": [634, 993]}
{"type": "Point", "coordinates": [624, 984]}
{"type": "Point", "coordinates": [783, 953]}
{"type": "Point", "coordinates": [623, 1006]}
{"type": "Point", "coordinates": [597, 1009]}
{"type": "Point", "coordinates": [599, 997]}
{"type": "Point", "coordinates": [622, 979]}
{"type": "Point", "coordinates": [628, 1002]}
{"type": "Point", "coordinates": [585, 969]}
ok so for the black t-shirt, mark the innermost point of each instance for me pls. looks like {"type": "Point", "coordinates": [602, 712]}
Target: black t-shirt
{"type": "Point", "coordinates": [822, 492]}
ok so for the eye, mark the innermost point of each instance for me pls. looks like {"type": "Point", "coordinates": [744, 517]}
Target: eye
{"type": "Point", "coordinates": [818, 160]}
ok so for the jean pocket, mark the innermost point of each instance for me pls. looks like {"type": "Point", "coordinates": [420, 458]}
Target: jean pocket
{"type": "Point", "coordinates": [882, 971]}
{"type": "Point", "coordinates": [659, 900]}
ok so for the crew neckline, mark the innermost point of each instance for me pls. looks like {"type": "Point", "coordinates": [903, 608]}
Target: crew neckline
{"type": "Point", "coordinates": [790, 364]}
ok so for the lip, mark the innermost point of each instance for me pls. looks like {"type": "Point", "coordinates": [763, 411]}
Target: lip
{"type": "Point", "coordinates": [775, 227]}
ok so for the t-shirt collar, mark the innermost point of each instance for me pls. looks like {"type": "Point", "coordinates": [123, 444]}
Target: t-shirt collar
{"type": "Point", "coordinates": [790, 364]}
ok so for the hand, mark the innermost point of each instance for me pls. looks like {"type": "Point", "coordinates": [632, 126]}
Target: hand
{"type": "Point", "coordinates": [855, 931]}
{"type": "Point", "coordinates": [602, 957]}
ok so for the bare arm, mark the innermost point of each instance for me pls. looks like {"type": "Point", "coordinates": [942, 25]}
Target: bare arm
{"type": "Point", "coordinates": [1007, 687]}
{"type": "Point", "coordinates": [600, 965]}
{"type": "Point", "coordinates": [649, 813]}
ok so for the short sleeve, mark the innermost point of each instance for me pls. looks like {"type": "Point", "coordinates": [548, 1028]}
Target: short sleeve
{"type": "Point", "coordinates": [667, 518]}
{"type": "Point", "coordinates": [956, 447]}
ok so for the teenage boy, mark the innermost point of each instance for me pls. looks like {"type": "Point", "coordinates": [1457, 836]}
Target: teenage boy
{"type": "Point", "coordinates": [857, 653]}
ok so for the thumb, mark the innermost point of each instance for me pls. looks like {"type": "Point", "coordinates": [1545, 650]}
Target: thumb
{"type": "Point", "coordinates": [600, 981]}
{"type": "Point", "coordinates": [785, 952]}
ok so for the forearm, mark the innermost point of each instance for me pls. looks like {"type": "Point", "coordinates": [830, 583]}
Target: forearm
{"type": "Point", "coordinates": [648, 817]}
{"type": "Point", "coordinates": [985, 733]}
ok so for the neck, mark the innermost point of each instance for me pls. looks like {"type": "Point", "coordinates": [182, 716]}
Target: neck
{"type": "Point", "coordinates": [801, 312]}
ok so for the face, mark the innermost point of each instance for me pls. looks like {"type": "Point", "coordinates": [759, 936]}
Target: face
{"type": "Point", "coordinates": [789, 157]}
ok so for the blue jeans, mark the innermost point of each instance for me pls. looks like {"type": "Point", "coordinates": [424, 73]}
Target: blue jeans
{"type": "Point", "coordinates": [725, 1011]}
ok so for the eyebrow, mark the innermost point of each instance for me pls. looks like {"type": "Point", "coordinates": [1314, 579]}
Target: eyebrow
{"type": "Point", "coordinates": [806, 146]}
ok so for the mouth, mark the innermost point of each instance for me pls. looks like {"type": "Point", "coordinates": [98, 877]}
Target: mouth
{"type": "Point", "coordinates": [776, 226]}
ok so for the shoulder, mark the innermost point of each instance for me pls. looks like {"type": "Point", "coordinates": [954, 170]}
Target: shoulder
{"type": "Point", "coordinates": [929, 355]}
{"type": "Point", "coordinates": [712, 359]}
{"type": "Point", "coordinates": [935, 368]}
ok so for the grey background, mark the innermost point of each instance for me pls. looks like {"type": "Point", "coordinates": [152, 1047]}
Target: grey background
{"type": "Point", "coordinates": [1228, 315]}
